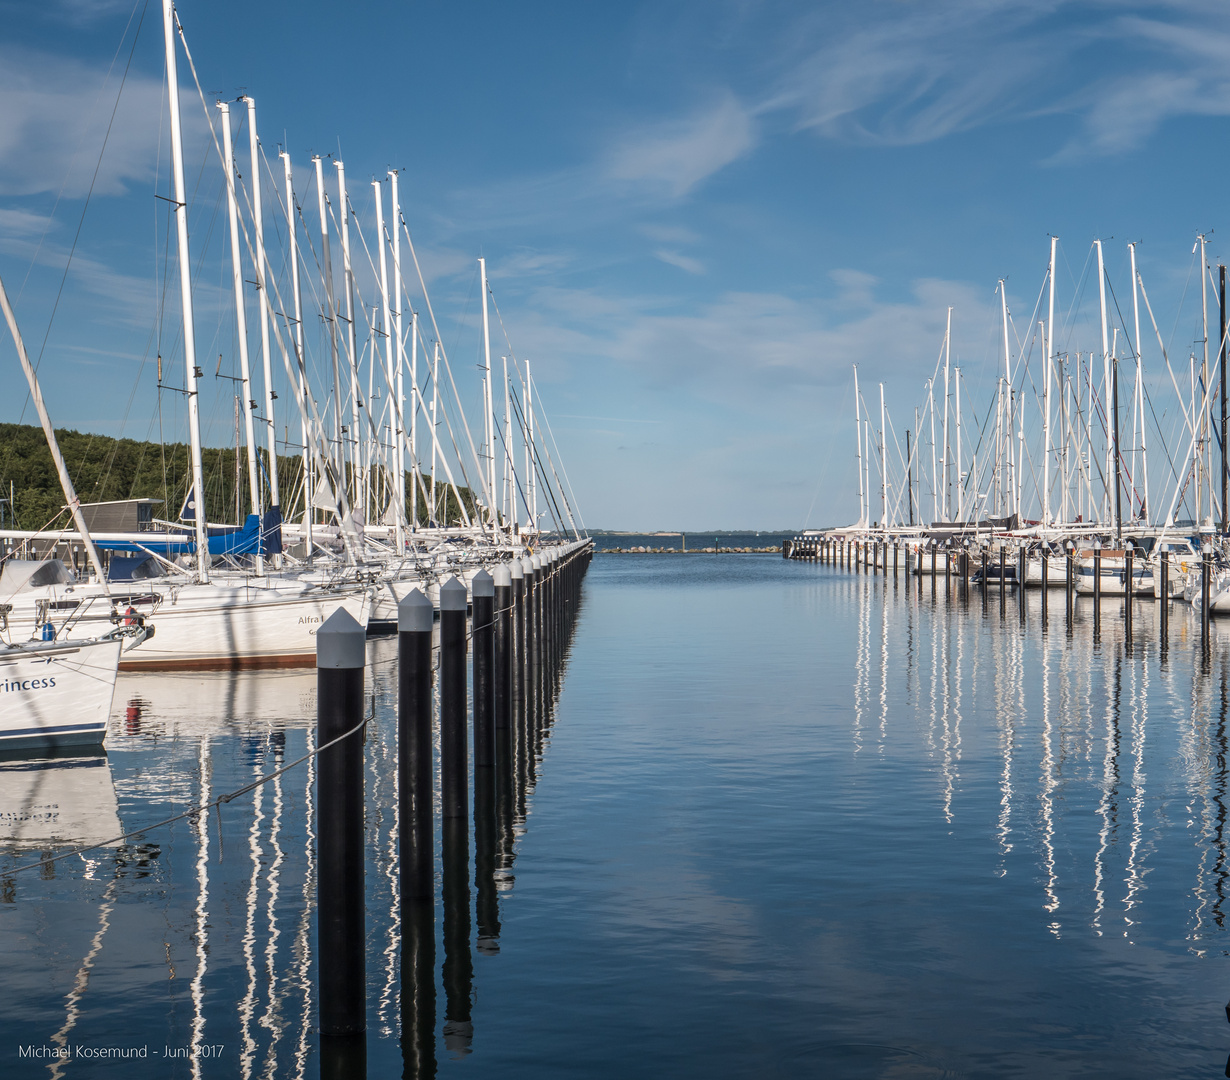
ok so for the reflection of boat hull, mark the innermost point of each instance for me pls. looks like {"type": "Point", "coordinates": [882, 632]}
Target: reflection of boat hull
{"type": "Point", "coordinates": [49, 801]}
{"type": "Point", "coordinates": [194, 704]}
{"type": "Point", "coordinates": [57, 694]}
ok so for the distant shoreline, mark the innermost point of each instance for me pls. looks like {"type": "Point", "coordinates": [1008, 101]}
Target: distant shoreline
{"type": "Point", "coordinates": [776, 550]}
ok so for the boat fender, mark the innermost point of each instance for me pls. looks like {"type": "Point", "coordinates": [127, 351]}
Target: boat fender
{"type": "Point", "coordinates": [131, 618]}
{"type": "Point", "coordinates": [49, 632]}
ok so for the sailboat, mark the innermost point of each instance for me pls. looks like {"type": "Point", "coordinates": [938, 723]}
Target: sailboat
{"type": "Point", "coordinates": [231, 619]}
{"type": "Point", "coordinates": [58, 693]}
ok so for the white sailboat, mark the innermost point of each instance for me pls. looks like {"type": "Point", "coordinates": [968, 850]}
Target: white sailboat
{"type": "Point", "coordinates": [57, 693]}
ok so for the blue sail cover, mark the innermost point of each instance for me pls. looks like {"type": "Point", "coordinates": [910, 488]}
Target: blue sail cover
{"type": "Point", "coordinates": [272, 531]}
{"type": "Point", "coordinates": [245, 541]}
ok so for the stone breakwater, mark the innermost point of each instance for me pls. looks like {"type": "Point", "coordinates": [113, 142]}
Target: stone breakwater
{"type": "Point", "coordinates": [776, 550]}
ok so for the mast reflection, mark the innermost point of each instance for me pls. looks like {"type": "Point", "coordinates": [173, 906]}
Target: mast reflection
{"type": "Point", "coordinates": [1067, 717]}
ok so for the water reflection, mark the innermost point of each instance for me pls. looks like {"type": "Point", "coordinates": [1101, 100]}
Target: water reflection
{"type": "Point", "coordinates": [1079, 719]}
{"type": "Point", "coordinates": [66, 798]}
{"type": "Point", "coordinates": [232, 892]}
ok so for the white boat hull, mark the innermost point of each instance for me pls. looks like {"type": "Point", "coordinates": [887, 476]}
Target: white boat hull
{"type": "Point", "coordinates": [1056, 572]}
{"type": "Point", "coordinates": [219, 625]}
{"type": "Point", "coordinates": [57, 695]}
{"type": "Point", "coordinates": [1112, 578]}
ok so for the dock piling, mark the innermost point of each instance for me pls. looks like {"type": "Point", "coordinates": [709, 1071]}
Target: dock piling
{"type": "Point", "coordinates": [340, 657]}
{"type": "Point", "coordinates": [1163, 598]}
{"type": "Point", "coordinates": [1206, 587]}
{"type": "Point", "coordinates": [502, 578]}
{"type": "Point", "coordinates": [482, 630]}
{"type": "Point", "coordinates": [454, 798]}
{"type": "Point", "coordinates": [414, 765]}
{"type": "Point", "coordinates": [1046, 581]}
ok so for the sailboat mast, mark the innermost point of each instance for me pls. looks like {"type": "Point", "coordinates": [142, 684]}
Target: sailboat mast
{"type": "Point", "coordinates": [883, 467]}
{"type": "Point", "coordinates": [390, 376]}
{"type": "Point", "coordinates": [935, 486]}
{"type": "Point", "coordinates": [343, 209]}
{"type": "Point", "coordinates": [292, 234]}
{"type": "Point", "coordinates": [944, 452]}
{"type": "Point", "coordinates": [1046, 393]}
{"type": "Point", "coordinates": [1221, 307]}
{"type": "Point", "coordinates": [395, 220]}
{"type": "Point", "coordinates": [435, 397]}
{"type": "Point", "coordinates": [529, 450]}
{"type": "Point", "coordinates": [1202, 474]}
{"type": "Point", "coordinates": [867, 467]}
{"type": "Point", "coordinates": [1139, 377]}
{"type": "Point", "coordinates": [326, 266]}
{"type": "Point", "coordinates": [414, 428]}
{"type": "Point", "coordinates": [258, 227]}
{"type": "Point", "coordinates": [909, 471]}
{"type": "Point", "coordinates": [241, 318]}
{"type": "Point", "coordinates": [1112, 450]}
{"type": "Point", "coordinates": [488, 411]}
{"type": "Point", "coordinates": [858, 442]}
{"type": "Point", "coordinates": [960, 484]}
{"type": "Point", "coordinates": [1114, 379]}
{"type": "Point", "coordinates": [185, 291]}
{"type": "Point", "coordinates": [1003, 303]}
{"type": "Point", "coordinates": [510, 501]}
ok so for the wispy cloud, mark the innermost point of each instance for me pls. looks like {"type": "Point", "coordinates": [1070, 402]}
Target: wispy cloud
{"type": "Point", "coordinates": [1183, 73]}
{"type": "Point", "coordinates": [23, 223]}
{"type": "Point", "coordinates": [894, 75]}
{"type": "Point", "coordinates": [674, 156]}
{"type": "Point", "coordinates": [683, 262]}
{"type": "Point", "coordinates": [53, 115]}
{"type": "Point", "coordinates": [910, 76]}
{"type": "Point", "coordinates": [854, 286]}
{"type": "Point", "coordinates": [761, 347]}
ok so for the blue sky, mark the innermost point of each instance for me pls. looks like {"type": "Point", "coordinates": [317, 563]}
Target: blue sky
{"type": "Point", "coordinates": [696, 215]}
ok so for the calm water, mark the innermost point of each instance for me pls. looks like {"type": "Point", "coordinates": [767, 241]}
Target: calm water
{"type": "Point", "coordinates": [783, 820]}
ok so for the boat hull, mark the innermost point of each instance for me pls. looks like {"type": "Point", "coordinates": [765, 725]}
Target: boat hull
{"type": "Point", "coordinates": [256, 634]}
{"type": "Point", "coordinates": [214, 626]}
{"type": "Point", "coordinates": [57, 696]}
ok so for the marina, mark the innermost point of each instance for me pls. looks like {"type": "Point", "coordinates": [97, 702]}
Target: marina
{"type": "Point", "coordinates": [336, 743]}
{"type": "Point", "coordinates": [684, 841]}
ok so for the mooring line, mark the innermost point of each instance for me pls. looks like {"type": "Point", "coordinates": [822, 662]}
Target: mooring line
{"type": "Point", "coordinates": [204, 808]}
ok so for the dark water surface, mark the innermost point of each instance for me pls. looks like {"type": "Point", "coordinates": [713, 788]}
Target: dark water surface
{"type": "Point", "coordinates": [783, 821]}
